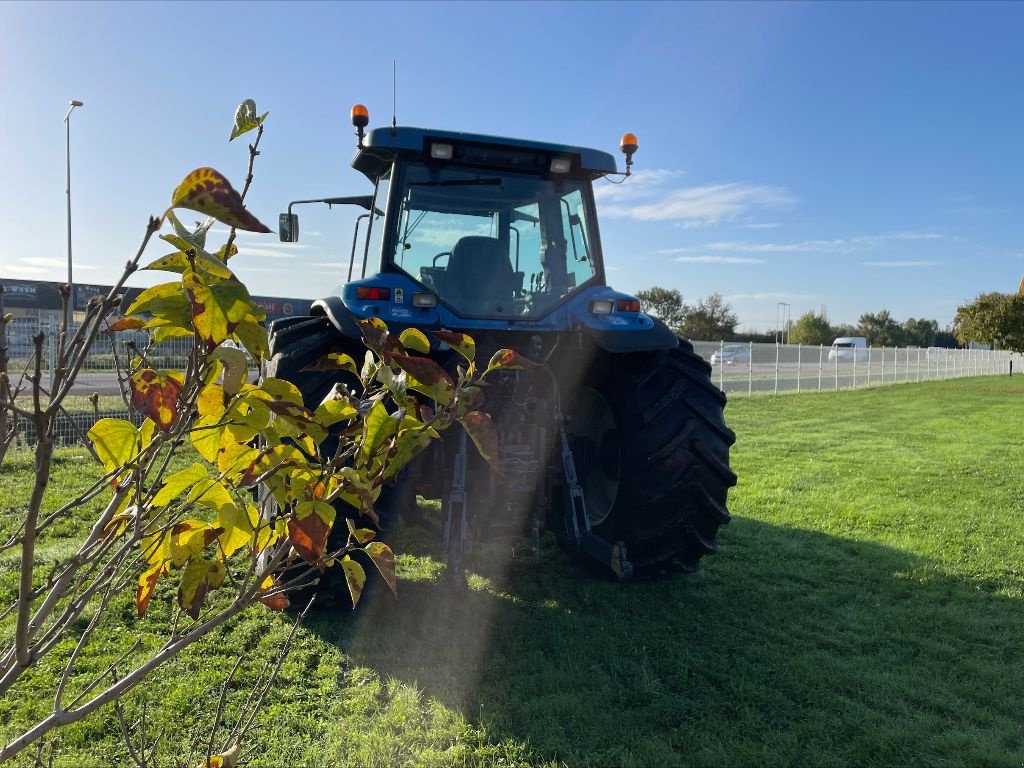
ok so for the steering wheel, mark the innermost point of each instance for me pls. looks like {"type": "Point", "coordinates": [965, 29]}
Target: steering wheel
{"type": "Point", "coordinates": [442, 253]}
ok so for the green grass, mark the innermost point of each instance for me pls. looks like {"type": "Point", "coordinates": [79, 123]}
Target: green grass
{"type": "Point", "coordinates": [866, 607]}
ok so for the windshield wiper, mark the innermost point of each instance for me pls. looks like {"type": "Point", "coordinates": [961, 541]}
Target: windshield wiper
{"type": "Point", "coordinates": [457, 183]}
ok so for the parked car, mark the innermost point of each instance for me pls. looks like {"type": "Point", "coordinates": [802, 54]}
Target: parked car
{"type": "Point", "coordinates": [849, 348]}
{"type": "Point", "coordinates": [734, 353]}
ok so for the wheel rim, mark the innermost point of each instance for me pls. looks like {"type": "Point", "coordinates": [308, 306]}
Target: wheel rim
{"type": "Point", "coordinates": [596, 452]}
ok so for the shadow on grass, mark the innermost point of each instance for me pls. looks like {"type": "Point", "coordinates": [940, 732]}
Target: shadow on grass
{"type": "Point", "coordinates": [789, 647]}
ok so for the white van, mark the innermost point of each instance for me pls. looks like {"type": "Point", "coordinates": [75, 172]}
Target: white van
{"type": "Point", "coordinates": [854, 348]}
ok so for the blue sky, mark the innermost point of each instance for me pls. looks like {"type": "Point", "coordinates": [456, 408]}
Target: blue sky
{"type": "Point", "coordinates": [852, 156]}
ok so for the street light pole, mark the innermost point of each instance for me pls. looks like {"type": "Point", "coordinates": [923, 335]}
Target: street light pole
{"type": "Point", "coordinates": [71, 285]}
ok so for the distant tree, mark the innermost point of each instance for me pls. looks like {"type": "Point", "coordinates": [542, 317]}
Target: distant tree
{"type": "Point", "coordinates": [992, 318]}
{"type": "Point", "coordinates": [945, 338]}
{"type": "Point", "coordinates": [812, 328]}
{"type": "Point", "coordinates": [881, 330]}
{"type": "Point", "coordinates": [920, 333]}
{"type": "Point", "coordinates": [666, 304]}
{"type": "Point", "coordinates": [710, 320]}
{"type": "Point", "coordinates": [845, 329]}
{"type": "Point", "coordinates": [764, 337]}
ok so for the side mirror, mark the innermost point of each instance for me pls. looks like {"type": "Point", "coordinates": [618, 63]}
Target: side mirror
{"type": "Point", "coordinates": [288, 227]}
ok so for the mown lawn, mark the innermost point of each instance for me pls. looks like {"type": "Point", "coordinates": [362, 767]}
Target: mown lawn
{"type": "Point", "coordinates": [866, 607]}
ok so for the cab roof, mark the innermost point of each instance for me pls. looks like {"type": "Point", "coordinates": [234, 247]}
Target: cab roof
{"type": "Point", "coordinates": [382, 145]}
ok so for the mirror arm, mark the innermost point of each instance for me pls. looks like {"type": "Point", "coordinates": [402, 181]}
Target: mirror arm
{"type": "Point", "coordinates": [355, 239]}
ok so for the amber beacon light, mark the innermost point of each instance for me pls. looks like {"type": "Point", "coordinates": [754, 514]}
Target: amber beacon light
{"type": "Point", "coordinates": [360, 119]}
{"type": "Point", "coordinates": [628, 145]}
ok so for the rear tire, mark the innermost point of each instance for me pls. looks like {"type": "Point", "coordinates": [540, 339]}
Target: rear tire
{"type": "Point", "coordinates": [652, 455]}
{"type": "Point", "coordinates": [296, 343]}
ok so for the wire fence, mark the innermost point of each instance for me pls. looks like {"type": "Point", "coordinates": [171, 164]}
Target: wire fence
{"type": "Point", "coordinates": [101, 387]}
{"type": "Point", "coordinates": [751, 369]}
{"type": "Point", "coordinates": [101, 390]}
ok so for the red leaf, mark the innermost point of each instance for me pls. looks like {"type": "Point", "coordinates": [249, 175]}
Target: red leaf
{"type": "Point", "coordinates": [460, 342]}
{"type": "Point", "coordinates": [278, 602]}
{"type": "Point", "coordinates": [508, 358]}
{"type": "Point", "coordinates": [481, 429]}
{"type": "Point", "coordinates": [144, 591]}
{"type": "Point", "coordinates": [127, 324]}
{"type": "Point", "coordinates": [309, 537]}
{"type": "Point", "coordinates": [429, 377]}
{"type": "Point", "coordinates": [156, 395]}
{"type": "Point", "coordinates": [377, 338]}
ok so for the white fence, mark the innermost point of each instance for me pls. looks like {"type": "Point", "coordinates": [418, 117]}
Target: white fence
{"type": "Point", "coordinates": [100, 390]}
{"type": "Point", "coordinates": [775, 368]}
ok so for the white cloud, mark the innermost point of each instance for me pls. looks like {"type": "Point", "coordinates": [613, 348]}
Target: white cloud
{"type": "Point", "coordinates": [760, 226]}
{"type": "Point", "coordinates": [900, 264]}
{"type": "Point", "coordinates": [269, 253]}
{"type": "Point", "coordinates": [703, 205]}
{"type": "Point", "coordinates": [719, 260]}
{"type": "Point", "coordinates": [37, 262]}
{"type": "Point", "coordinates": [840, 245]}
{"type": "Point", "coordinates": [640, 184]}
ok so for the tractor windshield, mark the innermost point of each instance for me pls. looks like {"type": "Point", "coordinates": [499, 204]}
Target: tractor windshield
{"type": "Point", "coordinates": [494, 244]}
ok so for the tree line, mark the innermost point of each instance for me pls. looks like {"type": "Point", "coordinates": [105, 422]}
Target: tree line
{"type": "Point", "coordinates": [713, 319]}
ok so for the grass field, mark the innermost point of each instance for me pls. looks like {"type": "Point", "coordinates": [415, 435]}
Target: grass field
{"type": "Point", "coordinates": [866, 608]}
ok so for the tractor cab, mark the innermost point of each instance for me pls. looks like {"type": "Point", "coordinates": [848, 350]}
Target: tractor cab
{"type": "Point", "coordinates": [482, 226]}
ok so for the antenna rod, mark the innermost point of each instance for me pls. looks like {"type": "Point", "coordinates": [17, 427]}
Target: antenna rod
{"type": "Point", "coordinates": [394, 94]}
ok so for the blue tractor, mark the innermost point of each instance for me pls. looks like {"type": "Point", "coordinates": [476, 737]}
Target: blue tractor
{"type": "Point", "coordinates": [616, 441]}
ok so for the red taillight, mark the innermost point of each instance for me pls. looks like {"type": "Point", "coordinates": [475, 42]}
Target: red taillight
{"type": "Point", "coordinates": [627, 305]}
{"type": "Point", "coordinates": [373, 293]}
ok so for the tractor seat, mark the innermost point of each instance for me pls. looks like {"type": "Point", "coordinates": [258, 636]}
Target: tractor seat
{"type": "Point", "coordinates": [479, 279]}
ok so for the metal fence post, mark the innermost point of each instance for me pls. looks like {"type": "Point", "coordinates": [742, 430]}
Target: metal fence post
{"type": "Point", "coordinates": [721, 365]}
{"type": "Point", "coordinates": [776, 368]}
{"type": "Point", "coordinates": [821, 355]}
{"type": "Point", "coordinates": [837, 370]}
{"type": "Point", "coordinates": [799, 362]}
{"type": "Point", "coordinates": [750, 369]}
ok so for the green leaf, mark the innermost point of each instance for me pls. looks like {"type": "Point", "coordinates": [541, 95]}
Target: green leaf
{"type": "Point", "coordinates": [153, 299]}
{"type": "Point", "coordinates": [414, 339]}
{"type": "Point", "coordinates": [379, 427]}
{"type": "Point", "coordinates": [207, 191]}
{"type": "Point", "coordinates": [196, 238]}
{"type": "Point", "coordinates": [384, 559]}
{"type": "Point", "coordinates": [361, 535]}
{"type": "Point", "coordinates": [116, 442]}
{"type": "Point", "coordinates": [179, 262]}
{"type": "Point", "coordinates": [330, 412]}
{"type": "Point", "coordinates": [355, 577]}
{"type": "Point", "coordinates": [408, 444]}
{"type": "Point", "coordinates": [216, 309]}
{"type": "Point", "coordinates": [427, 377]}
{"type": "Point", "coordinates": [174, 485]}
{"type": "Point", "coordinates": [252, 335]}
{"type": "Point", "coordinates": [461, 342]}
{"type": "Point", "coordinates": [245, 119]}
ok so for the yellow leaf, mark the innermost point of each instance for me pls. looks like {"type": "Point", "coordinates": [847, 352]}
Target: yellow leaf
{"type": "Point", "coordinates": [116, 442]}
{"type": "Point", "coordinates": [207, 191]}
{"type": "Point", "coordinates": [355, 578]}
{"type": "Point", "coordinates": [147, 584]}
{"type": "Point", "coordinates": [174, 485]}
{"type": "Point", "coordinates": [194, 585]}
{"type": "Point", "coordinates": [384, 559]}
{"type": "Point", "coordinates": [413, 338]}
